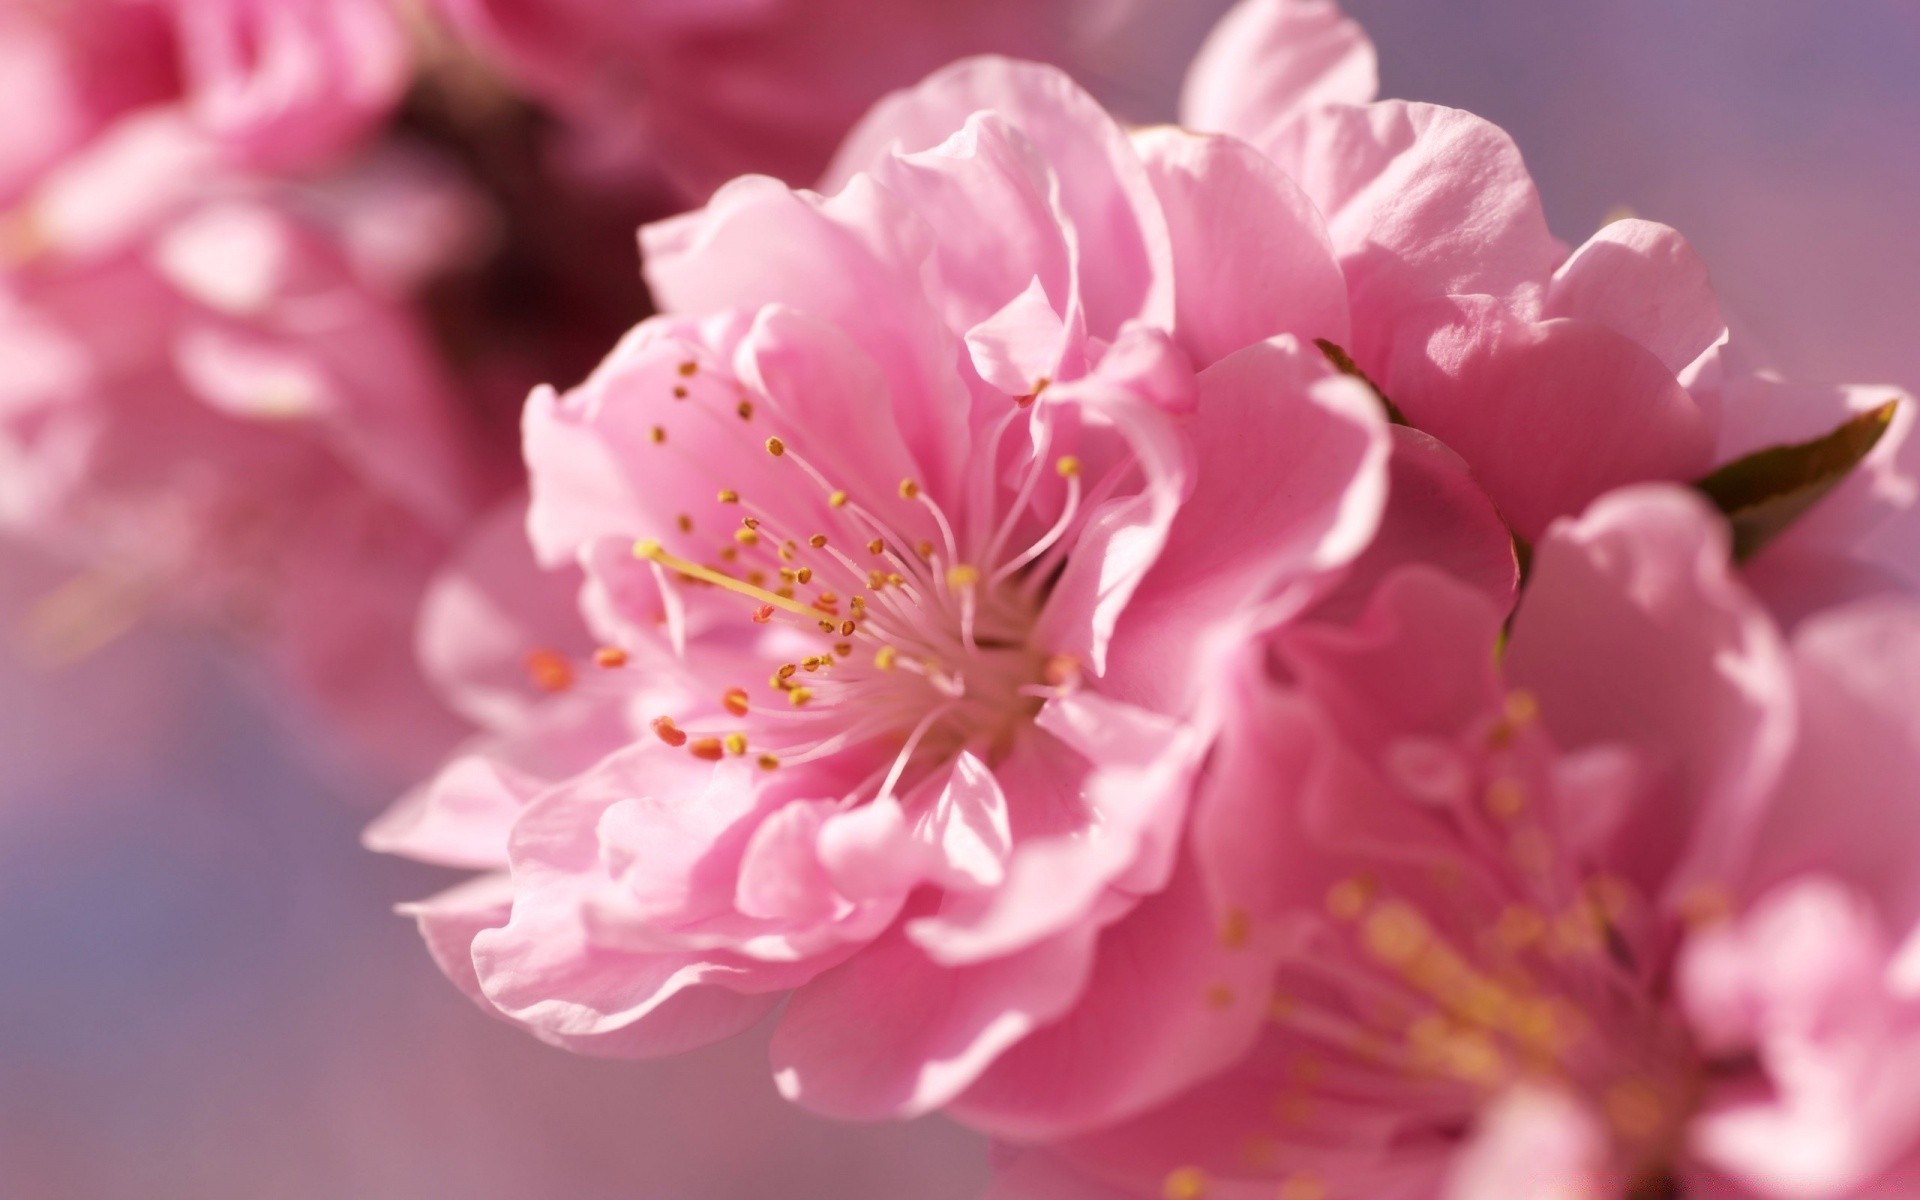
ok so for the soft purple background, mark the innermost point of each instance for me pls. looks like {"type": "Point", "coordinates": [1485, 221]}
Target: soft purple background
{"type": "Point", "coordinates": [202, 993]}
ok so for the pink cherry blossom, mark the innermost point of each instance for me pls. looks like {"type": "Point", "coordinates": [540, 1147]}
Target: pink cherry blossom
{"type": "Point", "coordinates": [911, 537]}
{"type": "Point", "coordinates": [1621, 912]}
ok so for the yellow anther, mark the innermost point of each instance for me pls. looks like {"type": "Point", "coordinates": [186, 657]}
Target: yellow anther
{"type": "Point", "coordinates": [909, 489]}
{"type": "Point", "coordinates": [787, 550]}
{"type": "Point", "coordinates": [689, 369]}
{"type": "Point", "coordinates": [962, 575]}
{"type": "Point", "coordinates": [1522, 708]}
{"type": "Point", "coordinates": [924, 549]}
{"type": "Point", "coordinates": [1235, 928]}
{"type": "Point", "coordinates": [549, 670]}
{"type": "Point", "coordinates": [799, 696]}
{"type": "Point", "coordinates": [1394, 933]}
{"type": "Point", "coordinates": [803, 575]}
{"type": "Point", "coordinates": [837, 500]}
{"type": "Point", "coordinates": [768, 762]}
{"type": "Point", "coordinates": [1349, 898]}
{"type": "Point", "coordinates": [788, 574]}
{"type": "Point", "coordinates": [843, 649]}
{"type": "Point", "coordinates": [1506, 798]}
{"type": "Point", "coordinates": [734, 700]}
{"type": "Point", "coordinates": [876, 546]}
{"type": "Point", "coordinates": [1187, 1183]}
{"type": "Point", "coordinates": [776, 447]}
{"type": "Point", "coordinates": [728, 496]}
{"type": "Point", "coordinates": [1067, 465]}
{"type": "Point", "coordinates": [745, 409]}
{"type": "Point", "coordinates": [750, 522]}
{"type": "Point", "coordinates": [736, 744]}
{"type": "Point", "coordinates": [787, 670]}
{"type": "Point", "coordinates": [1519, 926]}
{"type": "Point", "coordinates": [847, 628]}
{"type": "Point", "coordinates": [747, 537]}
{"type": "Point", "coordinates": [658, 433]}
{"type": "Point", "coordinates": [827, 627]}
{"type": "Point", "coordinates": [885, 657]}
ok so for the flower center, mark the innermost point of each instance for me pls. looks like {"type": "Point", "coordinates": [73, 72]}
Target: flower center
{"type": "Point", "coordinates": [890, 627]}
{"type": "Point", "coordinates": [1447, 978]}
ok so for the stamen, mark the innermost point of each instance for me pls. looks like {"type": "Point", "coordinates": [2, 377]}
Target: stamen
{"type": "Point", "coordinates": [707, 749]}
{"type": "Point", "coordinates": [668, 732]}
{"type": "Point", "coordinates": [610, 657]}
{"type": "Point", "coordinates": [549, 671]}
{"type": "Point", "coordinates": [651, 550]}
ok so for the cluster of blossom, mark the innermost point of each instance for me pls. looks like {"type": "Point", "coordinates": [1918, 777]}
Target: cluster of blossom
{"type": "Point", "coordinates": [275, 276]}
{"type": "Point", "coordinates": [1225, 657]}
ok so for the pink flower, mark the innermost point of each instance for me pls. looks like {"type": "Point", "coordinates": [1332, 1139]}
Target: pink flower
{"type": "Point", "coordinates": [276, 84]}
{"type": "Point", "coordinates": [221, 406]}
{"type": "Point", "coordinates": [1624, 911]}
{"type": "Point", "coordinates": [703, 90]}
{"type": "Point", "coordinates": [913, 530]}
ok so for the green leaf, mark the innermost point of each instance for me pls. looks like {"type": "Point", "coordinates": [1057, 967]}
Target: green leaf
{"type": "Point", "coordinates": [1768, 490]}
{"type": "Point", "coordinates": [1343, 363]}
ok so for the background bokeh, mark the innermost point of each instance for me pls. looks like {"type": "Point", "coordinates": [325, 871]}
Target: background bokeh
{"type": "Point", "coordinates": [202, 991]}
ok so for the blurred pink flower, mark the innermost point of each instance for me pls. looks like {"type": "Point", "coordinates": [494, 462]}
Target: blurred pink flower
{"type": "Point", "coordinates": [703, 90]}
{"type": "Point", "coordinates": [220, 402]}
{"type": "Point", "coordinates": [1622, 914]}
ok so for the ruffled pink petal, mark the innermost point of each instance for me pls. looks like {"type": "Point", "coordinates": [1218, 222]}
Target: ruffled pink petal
{"type": "Point", "coordinates": [1169, 1003]}
{"type": "Point", "coordinates": [1251, 257]}
{"type": "Point", "coordinates": [892, 1034]}
{"type": "Point", "coordinates": [1846, 805]}
{"type": "Point", "coordinates": [1635, 629]}
{"type": "Point", "coordinates": [1533, 1144]}
{"type": "Point", "coordinates": [551, 968]}
{"type": "Point", "coordinates": [986, 164]}
{"type": "Point", "coordinates": [1642, 280]}
{"type": "Point", "coordinates": [1549, 415]}
{"type": "Point", "coordinates": [1436, 514]}
{"type": "Point", "coordinates": [1127, 400]}
{"type": "Point", "coordinates": [1114, 221]}
{"type": "Point", "coordinates": [1801, 981]}
{"type": "Point", "coordinates": [1421, 202]}
{"type": "Point", "coordinates": [853, 260]}
{"type": "Point", "coordinates": [1272, 412]}
{"type": "Point", "coordinates": [1270, 59]}
{"type": "Point", "coordinates": [449, 922]}
{"type": "Point", "coordinates": [487, 611]}
{"type": "Point", "coordinates": [1116, 786]}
